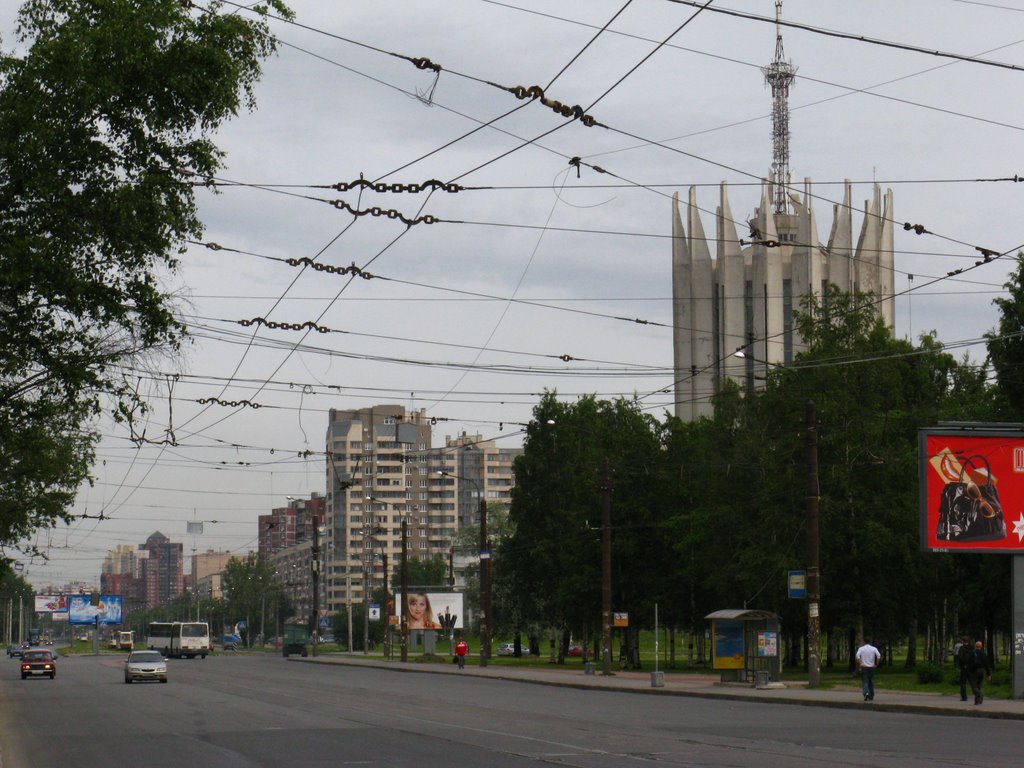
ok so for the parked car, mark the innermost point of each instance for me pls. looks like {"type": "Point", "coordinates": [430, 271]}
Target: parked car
{"type": "Point", "coordinates": [14, 650]}
{"type": "Point", "coordinates": [574, 650]}
{"type": "Point", "coordinates": [507, 649]}
{"type": "Point", "coordinates": [38, 662]}
{"type": "Point", "coordinates": [145, 665]}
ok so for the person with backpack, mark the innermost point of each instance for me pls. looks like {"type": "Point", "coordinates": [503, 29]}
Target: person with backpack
{"type": "Point", "coordinates": [979, 667]}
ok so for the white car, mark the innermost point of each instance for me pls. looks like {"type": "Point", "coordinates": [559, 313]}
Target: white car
{"type": "Point", "coordinates": [145, 665]}
{"type": "Point", "coordinates": [507, 649]}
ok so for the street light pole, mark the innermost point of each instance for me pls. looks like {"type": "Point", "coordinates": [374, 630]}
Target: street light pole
{"type": "Point", "coordinates": [485, 586]}
{"type": "Point", "coordinates": [606, 568]}
{"type": "Point", "coordinates": [813, 573]}
{"type": "Point", "coordinates": [314, 565]}
{"type": "Point", "coordinates": [486, 622]}
{"type": "Point", "coordinates": [404, 626]}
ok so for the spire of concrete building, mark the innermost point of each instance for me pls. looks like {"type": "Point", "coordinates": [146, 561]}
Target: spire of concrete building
{"type": "Point", "coordinates": [682, 342]}
{"type": "Point", "coordinates": [841, 268]}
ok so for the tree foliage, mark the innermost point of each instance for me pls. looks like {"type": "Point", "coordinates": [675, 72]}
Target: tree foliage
{"type": "Point", "coordinates": [253, 594]}
{"type": "Point", "coordinates": [1006, 344]}
{"type": "Point", "coordinates": [712, 514]}
{"type": "Point", "coordinates": [106, 119]}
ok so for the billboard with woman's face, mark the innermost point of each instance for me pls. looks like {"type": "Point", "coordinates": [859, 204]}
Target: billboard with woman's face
{"type": "Point", "coordinates": [972, 490]}
{"type": "Point", "coordinates": [423, 610]}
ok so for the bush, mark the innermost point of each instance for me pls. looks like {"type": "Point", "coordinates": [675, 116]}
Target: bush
{"type": "Point", "coordinates": [930, 673]}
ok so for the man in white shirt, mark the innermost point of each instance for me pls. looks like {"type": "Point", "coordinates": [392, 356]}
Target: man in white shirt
{"type": "Point", "coordinates": [868, 659]}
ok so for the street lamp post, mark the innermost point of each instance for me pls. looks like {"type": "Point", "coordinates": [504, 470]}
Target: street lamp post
{"type": "Point", "coordinates": [485, 571]}
{"type": "Point", "coordinates": [315, 569]}
{"type": "Point", "coordinates": [606, 568]}
{"type": "Point", "coordinates": [371, 534]}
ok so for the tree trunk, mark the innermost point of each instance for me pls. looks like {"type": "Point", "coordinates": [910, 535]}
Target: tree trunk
{"type": "Point", "coordinates": [912, 644]}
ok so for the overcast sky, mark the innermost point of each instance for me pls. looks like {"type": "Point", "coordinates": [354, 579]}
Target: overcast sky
{"type": "Point", "coordinates": [468, 317]}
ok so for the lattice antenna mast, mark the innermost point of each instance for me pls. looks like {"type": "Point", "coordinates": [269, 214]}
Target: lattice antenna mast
{"type": "Point", "coordinates": [779, 76]}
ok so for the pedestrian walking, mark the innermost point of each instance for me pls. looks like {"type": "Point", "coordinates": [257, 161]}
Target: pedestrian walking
{"type": "Point", "coordinates": [978, 668]}
{"type": "Point", "coordinates": [962, 658]}
{"type": "Point", "coordinates": [868, 659]}
{"type": "Point", "coordinates": [461, 649]}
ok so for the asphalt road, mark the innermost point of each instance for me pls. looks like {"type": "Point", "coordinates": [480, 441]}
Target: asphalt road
{"type": "Point", "coordinates": [262, 710]}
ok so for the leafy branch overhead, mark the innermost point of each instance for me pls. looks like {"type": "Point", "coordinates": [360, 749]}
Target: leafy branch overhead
{"type": "Point", "coordinates": [107, 112]}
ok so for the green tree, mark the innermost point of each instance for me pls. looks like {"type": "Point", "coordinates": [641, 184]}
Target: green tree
{"type": "Point", "coordinates": [252, 594]}
{"type": "Point", "coordinates": [107, 114]}
{"type": "Point", "coordinates": [872, 393]}
{"type": "Point", "coordinates": [424, 573]}
{"type": "Point", "coordinates": [552, 561]}
{"type": "Point", "coordinates": [1006, 344]}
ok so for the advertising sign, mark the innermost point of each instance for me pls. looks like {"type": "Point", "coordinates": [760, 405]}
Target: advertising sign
{"type": "Point", "coordinates": [82, 611]}
{"type": "Point", "coordinates": [971, 490]}
{"type": "Point", "coordinates": [728, 647]}
{"type": "Point", "coordinates": [424, 608]}
{"type": "Point", "coordinates": [51, 604]}
{"type": "Point", "coordinates": [767, 643]}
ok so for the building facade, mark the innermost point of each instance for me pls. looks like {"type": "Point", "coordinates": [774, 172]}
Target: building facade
{"type": "Point", "coordinates": [290, 525]}
{"type": "Point", "coordinates": [161, 570]}
{"type": "Point", "coordinates": [743, 299]}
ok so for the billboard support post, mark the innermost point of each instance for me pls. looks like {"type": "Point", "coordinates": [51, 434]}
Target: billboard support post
{"type": "Point", "coordinates": [1017, 613]}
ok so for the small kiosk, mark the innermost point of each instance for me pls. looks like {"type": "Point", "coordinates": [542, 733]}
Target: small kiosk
{"type": "Point", "coordinates": [745, 646]}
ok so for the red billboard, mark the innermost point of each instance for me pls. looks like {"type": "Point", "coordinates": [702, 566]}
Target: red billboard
{"type": "Point", "coordinates": [972, 490]}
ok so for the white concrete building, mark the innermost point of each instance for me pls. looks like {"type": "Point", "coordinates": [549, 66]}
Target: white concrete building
{"type": "Point", "coordinates": [744, 297]}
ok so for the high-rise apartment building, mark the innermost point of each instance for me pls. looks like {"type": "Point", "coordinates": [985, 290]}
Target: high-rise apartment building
{"type": "Point", "coordinates": [122, 559]}
{"type": "Point", "coordinates": [290, 525]}
{"type": "Point", "coordinates": [161, 570]}
{"type": "Point", "coordinates": [379, 473]}
{"type": "Point", "coordinates": [482, 471]}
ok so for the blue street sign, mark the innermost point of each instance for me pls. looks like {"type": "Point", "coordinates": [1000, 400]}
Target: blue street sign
{"type": "Point", "coordinates": [798, 585]}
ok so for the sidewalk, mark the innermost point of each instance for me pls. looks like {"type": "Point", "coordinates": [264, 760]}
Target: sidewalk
{"type": "Point", "coordinates": [700, 686]}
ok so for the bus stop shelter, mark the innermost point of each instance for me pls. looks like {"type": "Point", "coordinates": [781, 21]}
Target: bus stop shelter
{"type": "Point", "coordinates": [745, 645]}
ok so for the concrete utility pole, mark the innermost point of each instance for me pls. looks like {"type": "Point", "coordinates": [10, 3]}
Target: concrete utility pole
{"type": "Point", "coordinates": [606, 569]}
{"type": "Point", "coordinates": [314, 565]}
{"type": "Point", "coordinates": [485, 586]}
{"type": "Point", "coordinates": [813, 575]}
{"type": "Point", "coordinates": [404, 626]}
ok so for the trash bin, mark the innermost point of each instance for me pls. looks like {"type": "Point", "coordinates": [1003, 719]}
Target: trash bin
{"type": "Point", "coordinates": [657, 679]}
{"type": "Point", "coordinates": [589, 668]}
{"type": "Point", "coordinates": [761, 678]}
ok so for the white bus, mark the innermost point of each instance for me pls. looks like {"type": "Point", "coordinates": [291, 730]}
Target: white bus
{"type": "Point", "coordinates": [158, 636]}
{"type": "Point", "coordinates": [179, 638]}
{"type": "Point", "coordinates": [190, 638]}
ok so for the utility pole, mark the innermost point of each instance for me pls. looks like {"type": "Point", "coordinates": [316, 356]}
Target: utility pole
{"type": "Point", "coordinates": [385, 613]}
{"type": "Point", "coordinates": [606, 569]}
{"type": "Point", "coordinates": [314, 565]}
{"type": "Point", "coordinates": [485, 586]}
{"type": "Point", "coordinates": [404, 621]}
{"type": "Point", "coordinates": [813, 575]}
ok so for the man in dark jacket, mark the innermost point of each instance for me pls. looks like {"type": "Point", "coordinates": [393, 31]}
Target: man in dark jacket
{"type": "Point", "coordinates": [963, 659]}
{"type": "Point", "coordinates": [979, 668]}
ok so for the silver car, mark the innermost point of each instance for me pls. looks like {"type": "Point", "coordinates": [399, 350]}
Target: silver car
{"type": "Point", "coordinates": [145, 665]}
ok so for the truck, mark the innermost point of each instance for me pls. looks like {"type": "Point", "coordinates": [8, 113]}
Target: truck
{"type": "Point", "coordinates": [295, 638]}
